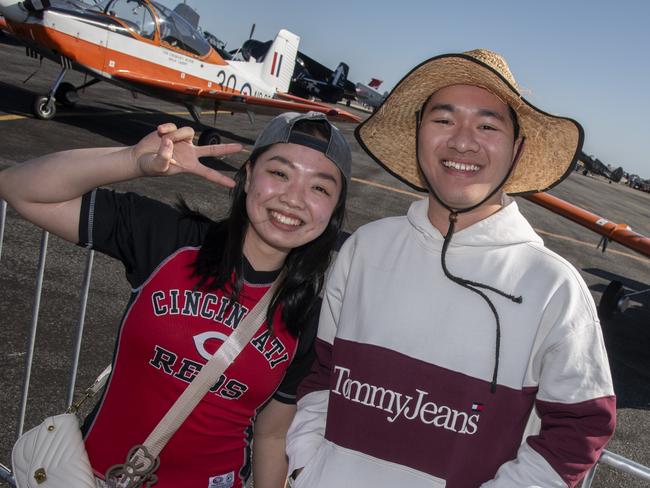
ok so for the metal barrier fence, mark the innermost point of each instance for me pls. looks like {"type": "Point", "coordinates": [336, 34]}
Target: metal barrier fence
{"type": "Point", "coordinates": [5, 473]}
{"type": "Point", "coordinates": [618, 462]}
{"type": "Point", "coordinates": [607, 458]}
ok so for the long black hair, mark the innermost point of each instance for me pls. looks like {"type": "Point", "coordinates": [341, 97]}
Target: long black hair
{"type": "Point", "coordinates": [219, 263]}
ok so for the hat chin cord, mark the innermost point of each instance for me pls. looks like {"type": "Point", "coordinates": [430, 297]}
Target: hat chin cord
{"type": "Point", "coordinates": [473, 285]}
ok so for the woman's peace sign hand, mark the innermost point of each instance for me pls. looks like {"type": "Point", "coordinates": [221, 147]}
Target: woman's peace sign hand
{"type": "Point", "coordinates": [170, 151]}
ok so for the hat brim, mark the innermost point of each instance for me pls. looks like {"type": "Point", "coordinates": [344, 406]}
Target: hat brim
{"type": "Point", "coordinates": [552, 144]}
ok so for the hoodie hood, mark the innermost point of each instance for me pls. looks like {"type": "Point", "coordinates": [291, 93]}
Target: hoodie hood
{"type": "Point", "coordinates": [503, 228]}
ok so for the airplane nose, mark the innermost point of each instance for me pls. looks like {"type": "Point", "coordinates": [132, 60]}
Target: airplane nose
{"type": "Point", "coordinates": [13, 10]}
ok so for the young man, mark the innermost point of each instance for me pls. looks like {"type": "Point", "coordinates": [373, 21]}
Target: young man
{"type": "Point", "coordinates": [454, 349]}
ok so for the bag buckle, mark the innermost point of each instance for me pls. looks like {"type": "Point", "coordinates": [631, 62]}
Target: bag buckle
{"type": "Point", "coordinates": [138, 470]}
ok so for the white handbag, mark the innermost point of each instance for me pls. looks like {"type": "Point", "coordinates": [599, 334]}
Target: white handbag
{"type": "Point", "coordinates": [53, 454]}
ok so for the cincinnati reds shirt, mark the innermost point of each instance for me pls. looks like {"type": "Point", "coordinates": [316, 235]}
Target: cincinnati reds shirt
{"type": "Point", "coordinates": [168, 332]}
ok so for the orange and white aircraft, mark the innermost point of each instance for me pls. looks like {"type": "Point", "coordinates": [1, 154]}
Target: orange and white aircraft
{"type": "Point", "coordinates": [146, 47]}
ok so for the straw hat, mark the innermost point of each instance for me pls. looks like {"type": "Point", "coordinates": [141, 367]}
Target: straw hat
{"type": "Point", "coordinates": [552, 143]}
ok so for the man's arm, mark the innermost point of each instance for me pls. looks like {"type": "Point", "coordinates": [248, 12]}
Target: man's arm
{"type": "Point", "coordinates": [269, 458]}
{"type": "Point", "coordinates": [577, 408]}
{"type": "Point", "coordinates": [308, 428]}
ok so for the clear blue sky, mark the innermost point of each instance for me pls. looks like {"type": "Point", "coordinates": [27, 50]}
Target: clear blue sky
{"type": "Point", "coordinates": [589, 60]}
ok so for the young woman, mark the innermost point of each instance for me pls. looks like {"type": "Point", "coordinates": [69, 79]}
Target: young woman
{"type": "Point", "coordinates": [193, 282]}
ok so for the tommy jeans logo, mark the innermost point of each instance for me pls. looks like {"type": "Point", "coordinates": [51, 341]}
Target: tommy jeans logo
{"type": "Point", "coordinates": [399, 405]}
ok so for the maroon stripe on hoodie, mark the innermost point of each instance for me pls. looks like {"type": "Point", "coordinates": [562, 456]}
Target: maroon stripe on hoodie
{"type": "Point", "coordinates": [319, 377]}
{"type": "Point", "coordinates": [573, 435]}
{"type": "Point", "coordinates": [407, 411]}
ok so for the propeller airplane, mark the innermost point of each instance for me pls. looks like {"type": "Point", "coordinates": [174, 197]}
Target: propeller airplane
{"type": "Point", "coordinates": [145, 47]}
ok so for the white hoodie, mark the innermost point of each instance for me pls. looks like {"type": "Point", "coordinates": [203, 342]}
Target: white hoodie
{"type": "Point", "coordinates": [401, 393]}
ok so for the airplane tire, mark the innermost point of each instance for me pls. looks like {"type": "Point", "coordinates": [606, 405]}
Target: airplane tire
{"type": "Point", "coordinates": [209, 137]}
{"type": "Point", "coordinates": [42, 109]}
{"type": "Point", "coordinates": [608, 304]}
{"type": "Point", "coordinates": [66, 94]}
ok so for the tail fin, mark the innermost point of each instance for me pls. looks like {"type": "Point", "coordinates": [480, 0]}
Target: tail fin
{"type": "Point", "coordinates": [374, 83]}
{"type": "Point", "coordinates": [280, 61]}
{"type": "Point", "coordinates": [340, 75]}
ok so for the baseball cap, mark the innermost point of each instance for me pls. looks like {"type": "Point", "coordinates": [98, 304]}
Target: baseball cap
{"type": "Point", "coordinates": [280, 130]}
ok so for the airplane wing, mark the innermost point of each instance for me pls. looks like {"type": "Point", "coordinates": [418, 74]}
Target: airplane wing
{"type": "Point", "coordinates": [283, 102]}
{"type": "Point", "coordinates": [293, 98]}
{"type": "Point", "coordinates": [620, 233]}
{"type": "Point", "coordinates": [211, 99]}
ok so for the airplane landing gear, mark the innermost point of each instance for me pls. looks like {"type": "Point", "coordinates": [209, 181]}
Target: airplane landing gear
{"type": "Point", "coordinates": [209, 137]}
{"type": "Point", "coordinates": [44, 107]}
{"type": "Point", "coordinates": [67, 94]}
{"type": "Point", "coordinates": [610, 301]}
{"type": "Point", "coordinates": [615, 300]}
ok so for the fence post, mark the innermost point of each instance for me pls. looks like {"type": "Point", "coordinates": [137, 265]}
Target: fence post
{"type": "Point", "coordinates": [589, 477]}
{"type": "Point", "coordinates": [3, 217]}
{"type": "Point", "coordinates": [32, 333]}
{"type": "Point", "coordinates": [80, 326]}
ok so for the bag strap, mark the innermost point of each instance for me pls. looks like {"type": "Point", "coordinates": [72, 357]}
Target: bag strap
{"type": "Point", "coordinates": [142, 459]}
{"type": "Point", "coordinates": [92, 390]}
{"type": "Point", "coordinates": [209, 374]}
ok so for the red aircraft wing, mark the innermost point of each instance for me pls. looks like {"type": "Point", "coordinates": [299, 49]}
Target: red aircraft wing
{"type": "Point", "coordinates": [214, 98]}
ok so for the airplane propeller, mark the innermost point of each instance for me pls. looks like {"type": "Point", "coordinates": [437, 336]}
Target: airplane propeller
{"type": "Point", "coordinates": [245, 52]}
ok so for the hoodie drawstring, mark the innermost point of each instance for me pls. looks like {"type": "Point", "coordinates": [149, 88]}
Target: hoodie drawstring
{"type": "Point", "coordinates": [453, 216]}
{"type": "Point", "coordinates": [473, 286]}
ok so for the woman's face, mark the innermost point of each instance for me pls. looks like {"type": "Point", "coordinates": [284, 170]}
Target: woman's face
{"type": "Point", "coordinates": [291, 193]}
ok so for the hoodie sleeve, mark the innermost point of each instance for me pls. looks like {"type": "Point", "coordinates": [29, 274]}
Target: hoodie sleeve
{"type": "Point", "coordinates": [575, 401]}
{"type": "Point", "coordinates": [308, 427]}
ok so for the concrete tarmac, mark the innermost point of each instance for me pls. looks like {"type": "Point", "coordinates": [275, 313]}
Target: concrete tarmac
{"type": "Point", "coordinates": [109, 116]}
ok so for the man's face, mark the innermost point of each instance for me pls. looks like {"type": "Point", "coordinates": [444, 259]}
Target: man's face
{"type": "Point", "coordinates": [466, 144]}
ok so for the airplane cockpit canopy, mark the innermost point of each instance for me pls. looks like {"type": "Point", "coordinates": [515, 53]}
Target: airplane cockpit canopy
{"type": "Point", "coordinates": [178, 32]}
{"type": "Point", "coordinates": [137, 15]}
{"type": "Point", "coordinates": [134, 13]}
{"type": "Point", "coordinates": [75, 6]}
